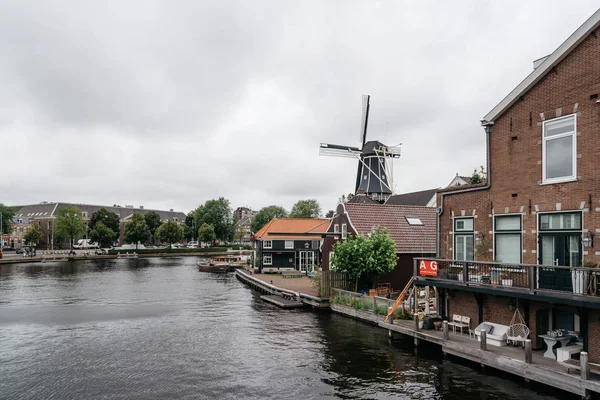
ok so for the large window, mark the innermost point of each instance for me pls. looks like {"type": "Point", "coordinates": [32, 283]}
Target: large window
{"type": "Point", "coordinates": [463, 239]}
{"type": "Point", "coordinates": [507, 239]}
{"type": "Point", "coordinates": [268, 244]}
{"type": "Point", "coordinates": [344, 231]}
{"type": "Point", "coordinates": [559, 150]}
{"type": "Point", "coordinates": [268, 259]}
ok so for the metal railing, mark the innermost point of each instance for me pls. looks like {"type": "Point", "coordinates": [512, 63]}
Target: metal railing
{"type": "Point", "coordinates": [528, 277]}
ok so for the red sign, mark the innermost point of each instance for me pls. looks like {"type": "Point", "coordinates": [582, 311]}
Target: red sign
{"type": "Point", "coordinates": [428, 268]}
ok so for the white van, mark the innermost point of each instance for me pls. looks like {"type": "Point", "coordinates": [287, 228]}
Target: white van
{"type": "Point", "coordinates": [85, 244]}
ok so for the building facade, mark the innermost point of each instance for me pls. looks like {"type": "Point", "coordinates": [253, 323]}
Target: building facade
{"type": "Point", "coordinates": [285, 244]}
{"type": "Point", "coordinates": [538, 212]}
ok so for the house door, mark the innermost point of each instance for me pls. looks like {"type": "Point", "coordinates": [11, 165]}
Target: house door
{"type": "Point", "coordinates": [562, 249]}
{"type": "Point", "coordinates": [306, 260]}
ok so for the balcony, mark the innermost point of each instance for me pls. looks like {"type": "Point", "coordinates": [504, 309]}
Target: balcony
{"type": "Point", "coordinates": [569, 285]}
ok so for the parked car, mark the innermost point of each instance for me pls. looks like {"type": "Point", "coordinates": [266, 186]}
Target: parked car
{"type": "Point", "coordinates": [86, 244]}
{"type": "Point", "coordinates": [192, 244]}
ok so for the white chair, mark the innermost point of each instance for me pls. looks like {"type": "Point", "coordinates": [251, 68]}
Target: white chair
{"type": "Point", "coordinates": [456, 319]}
{"type": "Point", "coordinates": [516, 334]}
{"type": "Point", "coordinates": [465, 322]}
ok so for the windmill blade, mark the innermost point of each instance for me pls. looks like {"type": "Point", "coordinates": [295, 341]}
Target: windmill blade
{"type": "Point", "coordinates": [336, 150]}
{"type": "Point", "coordinates": [365, 119]}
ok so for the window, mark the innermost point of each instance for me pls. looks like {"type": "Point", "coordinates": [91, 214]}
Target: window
{"type": "Point", "coordinates": [507, 239]}
{"type": "Point", "coordinates": [336, 228]}
{"type": "Point", "coordinates": [267, 259]}
{"type": "Point", "coordinates": [344, 231]}
{"type": "Point", "coordinates": [84, 214]}
{"type": "Point", "coordinates": [557, 222]}
{"type": "Point", "coordinates": [268, 244]}
{"type": "Point", "coordinates": [559, 150]}
{"type": "Point", "coordinates": [413, 221]}
{"type": "Point", "coordinates": [289, 244]}
{"type": "Point", "coordinates": [463, 239]}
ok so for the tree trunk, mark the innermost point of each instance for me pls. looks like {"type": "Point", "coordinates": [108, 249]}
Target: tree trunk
{"type": "Point", "coordinates": [356, 284]}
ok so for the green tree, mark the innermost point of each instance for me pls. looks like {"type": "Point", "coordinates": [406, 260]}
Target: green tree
{"type": "Point", "coordinates": [69, 223]}
{"type": "Point", "coordinates": [137, 230]}
{"type": "Point", "coordinates": [153, 221]}
{"type": "Point", "coordinates": [206, 233]}
{"type": "Point", "coordinates": [7, 216]}
{"type": "Point", "coordinates": [188, 233]}
{"type": "Point", "coordinates": [110, 219]}
{"type": "Point", "coordinates": [329, 214]}
{"type": "Point", "coordinates": [34, 234]}
{"type": "Point", "coordinates": [265, 215]}
{"type": "Point", "coordinates": [478, 176]}
{"type": "Point", "coordinates": [102, 234]}
{"type": "Point", "coordinates": [306, 209]}
{"type": "Point", "coordinates": [169, 231]}
{"type": "Point", "coordinates": [218, 213]}
{"type": "Point", "coordinates": [358, 256]}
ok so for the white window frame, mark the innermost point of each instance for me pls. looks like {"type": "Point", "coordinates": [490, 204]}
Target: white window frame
{"type": "Point", "coordinates": [267, 244]}
{"type": "Point", "coordinates": [509, 232]}
{"type": "Point", "coordinates": [572, 134]}
{"type": "Point", "coordinates": [289, 244]}
{"type": "Point", "coordinates": [344, 231]}
{"type": "Point", "coordinates": [462, 232]}
{"type": "Point", "coordinates": [336, 228]}
{"type": "Point", "coordinates": [267, 259]}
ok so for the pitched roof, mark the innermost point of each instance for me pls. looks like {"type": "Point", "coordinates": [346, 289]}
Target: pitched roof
{"type": "Point", "coordinates": [408, 238]}
{"type": "Point", "coordinates": [545, 66]}
{"type": "Point", "coordinates": [292, 228]}
{"type": "Point", "coordinates": [421, 198]}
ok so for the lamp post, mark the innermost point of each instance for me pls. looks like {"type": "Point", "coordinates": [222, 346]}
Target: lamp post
{"type": "Point", "coordinates": [193, 230]}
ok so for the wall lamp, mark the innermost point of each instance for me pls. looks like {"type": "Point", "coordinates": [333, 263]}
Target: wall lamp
{"type": "Point", "coordinates": [588, 239]}
{"type": "Point", "coordinates": [480, 237]}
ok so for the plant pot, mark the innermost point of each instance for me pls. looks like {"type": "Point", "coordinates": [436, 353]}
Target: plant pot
{"type": "Point", "coordinates": [507, 282]}
{"type": "Point", "coordinates": [579, 279]}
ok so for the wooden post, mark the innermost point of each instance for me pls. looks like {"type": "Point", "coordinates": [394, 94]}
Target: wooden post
{"type": "Point", "coordinates": [445, 330]}
{"type": "Point", "coordinates": [528, 352]}
{"type": "Point", "coordinates": [483, 343]}
{"type": "Point", "coordinates": [391, 318]}
{"type": "Point", "coordinates": [416, 317]}
{"type": "Point", "coordinates": [585, 366]}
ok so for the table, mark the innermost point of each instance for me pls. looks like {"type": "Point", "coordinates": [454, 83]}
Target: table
{"type": "Point", "coordinates": [551, 341]}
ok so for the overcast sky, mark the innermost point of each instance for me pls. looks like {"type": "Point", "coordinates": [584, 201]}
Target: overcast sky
{"type": "Point", "coordinates": [169, 104]}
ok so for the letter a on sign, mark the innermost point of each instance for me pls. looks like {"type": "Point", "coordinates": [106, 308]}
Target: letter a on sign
{"type": "Point", "coordinates": [428, 268]}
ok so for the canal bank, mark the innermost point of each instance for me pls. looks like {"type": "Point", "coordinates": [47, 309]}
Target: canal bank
{"type": "Point", "coordinates": [508, 359]}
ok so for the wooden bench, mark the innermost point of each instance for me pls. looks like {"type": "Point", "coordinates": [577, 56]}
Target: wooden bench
{"type": "Point", "coordinates": [565, 353]}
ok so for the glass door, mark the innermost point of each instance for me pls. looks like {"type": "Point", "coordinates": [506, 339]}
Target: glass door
{"type": "Point", "coordinates": [306, 260]}
{"type": "Point", "coordinates": [562, 249]}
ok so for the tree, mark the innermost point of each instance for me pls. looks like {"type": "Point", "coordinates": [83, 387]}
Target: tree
{"type": "Point", "coordinates": [34, 234]}
{"type": "Point", "coordinates": [265, 215]}
{"type": "Point", "coordinates": [102, 234]}
{"type": "Point", "coordinates": [478, 176]}
{"type": "Point", "coordinates": [206, 233]}
{"type": "Point", "coordinates": [188, 233]}
{"type": "Point", "coordinates": [7, 214]}
{"type": "Point", "coordinates": [306, 209]}
{"type": "Point", "coordinates": [69, 223]}
{"type": "Point", "coordinates": [110, 219]}
{"type": "Point", "coordinates": [329, 214]}
{"type": "Point", "coordinates": [137, 230]}
{"type": "Point", "coordinates": [153, 221]}
{"type": "Point", "coordinates": [218, 213]}
{"type": "Point", "coordinates": [169, 231]}
{"type": "Point", "coordinates": [360, 255]}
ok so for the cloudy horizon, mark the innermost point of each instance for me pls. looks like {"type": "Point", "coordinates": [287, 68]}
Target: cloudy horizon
{"type": "Point", "coordinates": [167, 105]}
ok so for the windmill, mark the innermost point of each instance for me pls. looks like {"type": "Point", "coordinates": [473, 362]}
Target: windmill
{"type": "Point", "coordinates": [375, 167]}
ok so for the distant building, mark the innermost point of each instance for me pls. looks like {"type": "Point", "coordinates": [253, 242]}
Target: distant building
{"type": "Point", "coordinates": [45, 213]}
{"type": "Point", "coordinates": [243, 226]}
{"type": "Point", "coordinates": [242, 212]}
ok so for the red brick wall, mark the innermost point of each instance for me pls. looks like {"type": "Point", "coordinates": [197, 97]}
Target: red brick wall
{"type": "Point", "coordinates": [516, 156]}
{"type": "Point", "coordinates": [594, 336]}
{"type": "Point", "coordinates": [328, 243]}
{"type": "Point", "coordinates": [464, 303]}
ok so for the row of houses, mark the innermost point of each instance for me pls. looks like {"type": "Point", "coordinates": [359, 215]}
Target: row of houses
{"type": "Point", "coordinates": [522, 239]}
{"type": "Point", "coordinates": [45, 215]}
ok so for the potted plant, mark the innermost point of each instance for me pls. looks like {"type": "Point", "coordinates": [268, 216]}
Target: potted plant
{"type": "Point", "coordinates": [506, 279]}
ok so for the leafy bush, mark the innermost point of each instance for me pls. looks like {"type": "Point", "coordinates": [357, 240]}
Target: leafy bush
{"type": "Point", "coordinates": [380, 309]}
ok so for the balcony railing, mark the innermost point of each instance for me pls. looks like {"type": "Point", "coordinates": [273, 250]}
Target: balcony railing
{"type": "Point", "coordinates": [512, 277]}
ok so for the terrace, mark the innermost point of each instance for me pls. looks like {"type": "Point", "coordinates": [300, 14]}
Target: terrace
{"type": "Point", "coordinates": [575, 286]}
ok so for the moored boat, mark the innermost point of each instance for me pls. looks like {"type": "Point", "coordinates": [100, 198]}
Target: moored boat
{"type": "Point", "coordinates": [209, 266]}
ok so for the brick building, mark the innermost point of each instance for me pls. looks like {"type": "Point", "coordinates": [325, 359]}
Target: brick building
{"type": "Point", "coordinates": [540, 204]}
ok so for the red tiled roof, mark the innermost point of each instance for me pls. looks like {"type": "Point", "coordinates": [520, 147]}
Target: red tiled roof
{"type": "Point", "coordinates": [408, 238]}
{"type": "Point", "coordinates": [293, 228]}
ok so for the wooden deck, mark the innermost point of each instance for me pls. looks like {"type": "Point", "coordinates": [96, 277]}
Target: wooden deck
{"type": "Point", "coordinates": [281, 302]}
{"type": "Point", "coordinates": [508, 358]}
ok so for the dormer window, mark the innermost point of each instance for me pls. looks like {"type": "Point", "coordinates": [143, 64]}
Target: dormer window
{"type": "Point", "coordinates": [559, 150]}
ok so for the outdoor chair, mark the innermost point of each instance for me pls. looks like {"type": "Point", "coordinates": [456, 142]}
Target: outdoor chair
{"type": "Point", "coordinates": [456, 319]}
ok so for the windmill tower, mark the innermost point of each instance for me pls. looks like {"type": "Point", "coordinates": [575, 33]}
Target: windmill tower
{"type": "Point", "coordinates": [374, 175]}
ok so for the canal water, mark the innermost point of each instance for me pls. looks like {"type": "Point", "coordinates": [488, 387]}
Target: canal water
{"type": "Point", "coordinates": [159, 329]}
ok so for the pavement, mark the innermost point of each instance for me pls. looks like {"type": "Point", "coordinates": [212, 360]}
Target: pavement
{"type": "Point", "coordinates": [302, 284]}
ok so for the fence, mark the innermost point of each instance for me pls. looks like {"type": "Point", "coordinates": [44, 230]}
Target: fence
{"type": "Point", "coordinates": [336, 280]}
